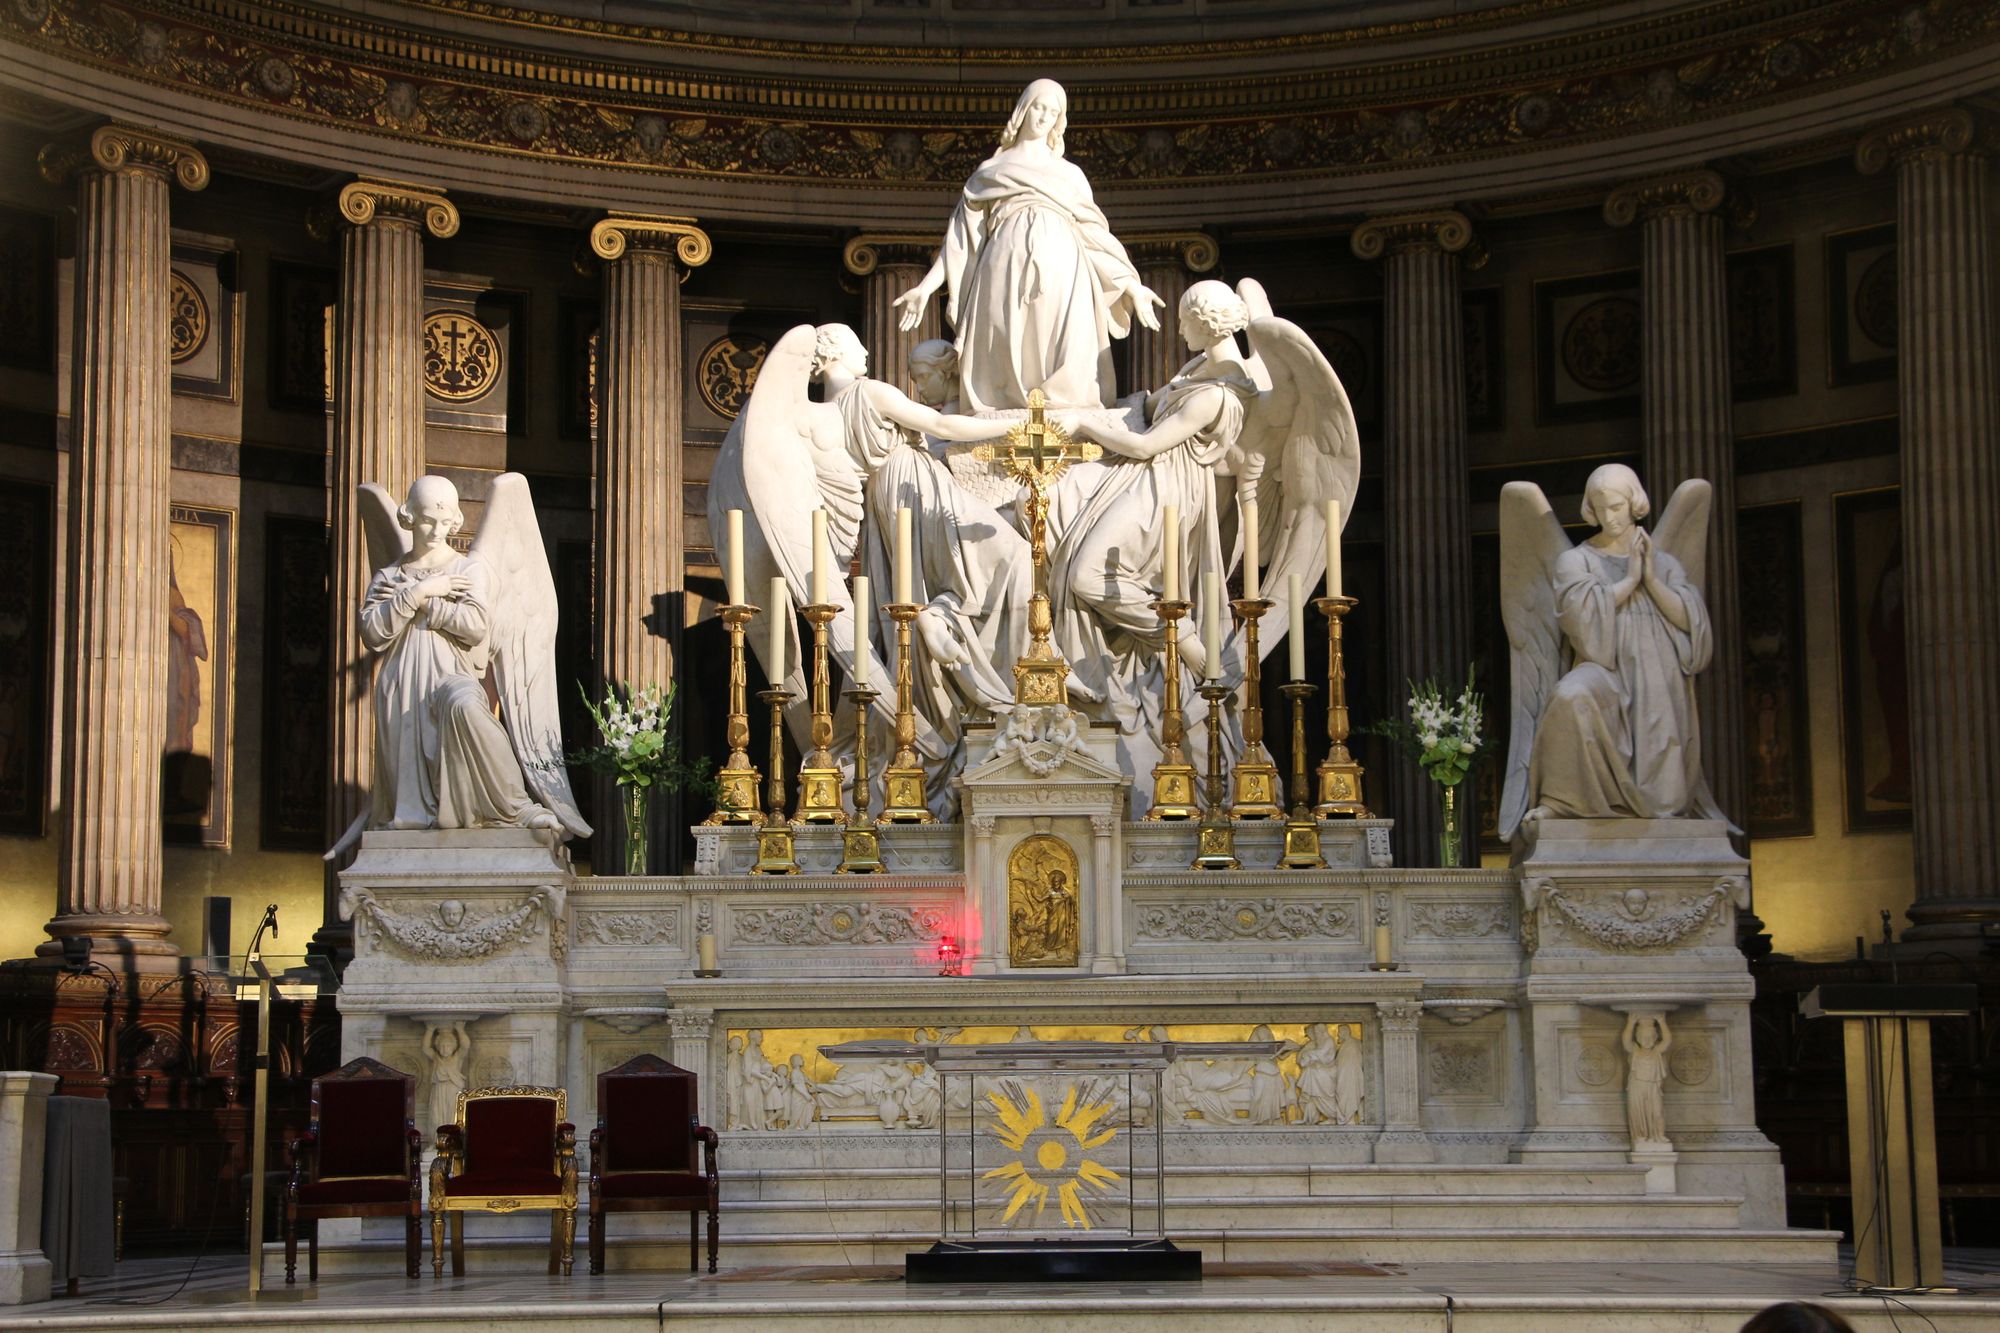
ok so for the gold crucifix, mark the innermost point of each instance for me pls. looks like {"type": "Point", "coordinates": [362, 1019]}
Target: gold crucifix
{"type": "Point", "coordinates": [1036, 454]}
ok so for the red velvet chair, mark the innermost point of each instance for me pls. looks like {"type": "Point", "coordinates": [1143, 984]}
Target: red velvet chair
{"type": "Point", "coordinates": [359, 1159]}
{"type": "Point", "coordinates": [642, 1153]}
{"type": "Point", "coordinates": [512, 1148]}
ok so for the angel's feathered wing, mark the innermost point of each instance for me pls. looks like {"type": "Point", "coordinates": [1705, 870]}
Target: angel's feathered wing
{"type": "Point", "coordinates": [523, 643]}
{"type": "Point", "coordinates": [1531, 539]}
{"type": "Point", "coordinates": [1303, 428]}
{"type": "Point", "coordinates": [1682, 531]}
{"type": "Point", "coordinates": [388, 540]}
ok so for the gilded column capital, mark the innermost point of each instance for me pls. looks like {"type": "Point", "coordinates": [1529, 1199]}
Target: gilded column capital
{"type": "Point", "coordinates": [871, 249]}
{"type": "Point", "coordinates": [619, 232]}
{"type": "Point", "coordinates": [1443, 229]}
{"type": "Point", "coordinates": [1197, 251]}
{"type": "Point", "coordinates": [1683, 192]}
{"type": "Point", "coordinates": [371, 199]}
{"type": "Point", "coordinates": [113, 148]}
{"type": "Point", "coordinates": [1944, 132]}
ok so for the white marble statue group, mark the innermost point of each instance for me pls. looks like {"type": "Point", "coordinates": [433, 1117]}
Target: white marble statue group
{"type": "Point", "coordinates": [1227, 468]}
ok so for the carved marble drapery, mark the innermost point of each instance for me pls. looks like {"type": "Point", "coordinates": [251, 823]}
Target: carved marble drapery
{"type": "Point", "coordinates": [1429, 613]}
{"type": "Point", "coordinates": [378, 436]}
{"type": "Point", "coordinates": [1684, 395]}
{"type": "Point", "coordinates": [889, 265]}
{"type": "Point", "coordinates": [640, 573]}
{"type": "Point", "coordinates": [1166, 263]}
{"type": "Point", "coordinates": [1951, 491]}
{"type": "Point", "coordinates": [116, 549]}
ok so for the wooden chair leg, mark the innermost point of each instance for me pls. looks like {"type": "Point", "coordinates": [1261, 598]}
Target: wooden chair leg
{"type": "Point", "coordinates": [596, 1237]}
{"type": "Point", "coordinates": [694, 1240]}
{"type": "Point", "coordinates": [291, 1244]}
{"type": "Point", "coordinates": [412, 1243]}
{"type": "Point", "coordinates": [555, 1240]}
{"type": "Point", "coordinates": [437, 1241]}
{"type": "Point", "coordinates": [457, 1244]}
{"type": "Point", "coordinates": [312, 1250]}
{"type": "Point", "coordinates": [714, 1233]}
{"type": "Point", "coordinates": [568, 1240]}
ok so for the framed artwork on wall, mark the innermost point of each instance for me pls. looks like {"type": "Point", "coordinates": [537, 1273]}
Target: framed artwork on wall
{"type": "Point", "coordinates": [201, 643]}
{"type": "Point", "coordinates": [27, 290]}
{"type": "Point", "coordinates": [203, 301]}
{"type": "Point", "coordinates": [27, 639]}
{"type": "Point", "coordinates": [295, 684]}
{"type": "Point", "coordinates": [1587, 355]}
{"type": "Point", "coordinates": [1763, 334]}
{"type": "Point", "coordinates": [1861, 305]}
{"type": "Point", "coordinates": [1874, 685]}
{"type": "Point", "coordinates": [1770, 572]}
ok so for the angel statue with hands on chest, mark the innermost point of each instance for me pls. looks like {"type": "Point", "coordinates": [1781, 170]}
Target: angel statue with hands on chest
{"type": "Point", "coordinates": [439, 623]}
{"type": "Point", "coordinates": [1607, 636]}
{"type": "Point", "coordinates": [1038, 284]}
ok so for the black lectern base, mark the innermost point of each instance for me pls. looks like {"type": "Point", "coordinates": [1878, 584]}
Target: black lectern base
{"type": "Point", "coordinates": [1053, 1261]}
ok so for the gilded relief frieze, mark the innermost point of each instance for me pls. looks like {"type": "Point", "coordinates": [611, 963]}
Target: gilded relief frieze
{"type": "Point", "coordinates": [463, 94]}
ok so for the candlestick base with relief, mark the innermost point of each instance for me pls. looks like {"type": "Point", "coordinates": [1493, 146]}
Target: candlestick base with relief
{"type": "Point", "coordinates": [776, 854]}
{"type": "Point", "coordinates": [903, 798]}
{"type": "Point", "coordinates": [1215, 836]}
{"type": "Point", "coordinates": [738, 779]}
{"type": "Point", "coordinates": [860, 848]}
{"type": "Point", "coordinates": [1256, 790]}
{"type": "Point", "coordinates": [1174, 779]}
{"type": "Point", "coordinates": [819, 773]}
{"type": "Point", "coordinates": [1338, 775]}
{"type": "Point", "coordinates": [1302, 846]}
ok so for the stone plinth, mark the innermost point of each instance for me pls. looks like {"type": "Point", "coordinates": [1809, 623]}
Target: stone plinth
{"type": "Point", "coordinates": [24, 1116]}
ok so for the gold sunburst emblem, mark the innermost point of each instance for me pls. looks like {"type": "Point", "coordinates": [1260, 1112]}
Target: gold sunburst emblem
{"type": "Point", "coordinates": [1051, 1158]}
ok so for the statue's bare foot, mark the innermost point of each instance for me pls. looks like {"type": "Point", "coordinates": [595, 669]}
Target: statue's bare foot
{"type": "Point", "coordinates": [939, 641]}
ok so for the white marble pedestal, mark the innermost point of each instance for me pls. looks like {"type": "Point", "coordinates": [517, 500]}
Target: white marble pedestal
{"type": "Point", "coordinates": [24, 1115]}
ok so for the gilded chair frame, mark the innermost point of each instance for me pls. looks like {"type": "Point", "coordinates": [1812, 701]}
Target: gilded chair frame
{"type": "Point", "coordinates": [450, 1163]}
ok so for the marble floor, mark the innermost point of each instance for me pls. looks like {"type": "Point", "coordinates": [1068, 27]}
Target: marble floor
{"type": "Point", "coordinates": [1267, 1297]}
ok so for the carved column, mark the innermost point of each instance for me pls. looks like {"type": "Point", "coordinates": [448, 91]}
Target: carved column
{"type": "Point", "coordinates": [1166, 263]}
{"type": "Point", "coordinates": [116, 542]}
{"type": "Point", "coordinates": [1684, 396]}
{"type": "Point", "coordinates": [1426, 549]}
{"type": "Point", "coordinates": [378, 436]}
{"type": "Point", "coordinates": [1951, 491]}
{"type": "Point", "coordinates": [889, 265]}
{"type": "Point", "coordinates": [690, 1028]}
{"type": "Point", "coordinates": [1402, 1138]}
{"type": "Point", "coordinates": [1107, 906]}
{"type": "Point", "coordinates": [638, 547]}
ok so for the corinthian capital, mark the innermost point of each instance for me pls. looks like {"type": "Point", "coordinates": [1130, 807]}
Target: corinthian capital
{"type": "Point", "coordinates": [871, 249]}
{"type": "Point", "coordinates": [619, 232]}
{"type": "Point", "coordinates": [1444, 229]}
{"type": "Point", "coordinates": [1682, 192]}
{"type": "Point", "coordinates": [373, 199]}
{"type": "Point", "coordinates": [1944, 132]}
{"type": "Point", "coordinates": [114, 148]}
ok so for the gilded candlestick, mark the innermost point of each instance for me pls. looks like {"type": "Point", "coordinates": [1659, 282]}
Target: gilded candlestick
{"type": "Point", "coordinates": [775, 853]}
{"type": "Point", "coordinates": [860, 848]}
{"type": "Point", "coordinates": [739, 779]}
{"type": "Point", "coordinates": [903, 799]}
{"type": "Point", "coordinates": [819, 774]}
{"type": "Point", "coordinates": [1215, 840]}
{"type": "Point", "coordinates": [1302, 849]}
{"type": "Point", "coordinates": [1339, 775]}
{"type": "Point", "coordinates": [1258, 794]}
{"type": "Point", "coordinates": [1174, 777]}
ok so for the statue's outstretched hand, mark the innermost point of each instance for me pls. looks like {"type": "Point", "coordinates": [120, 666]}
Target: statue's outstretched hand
{"type": "Point", "coordinates": [912, 304]}
{"type": "Point", "coordinates": [1145, 302]}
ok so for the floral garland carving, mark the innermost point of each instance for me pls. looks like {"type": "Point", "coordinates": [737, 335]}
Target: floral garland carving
{"type": "Point", "coordinates": [437, 936]}
{"type": "Point", "coordinates": [1612, 932]}
{"type": "Point", "coordinates": [1245, 919]}
{"type": "Point", "coordinates": [840, 923]}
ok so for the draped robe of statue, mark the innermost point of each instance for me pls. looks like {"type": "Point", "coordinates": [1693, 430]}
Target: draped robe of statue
{"type": "Point", "coordinates": [1619, 735]}
{"type": "Point", "coordinates": [442, 760]}
{"type": "Point", "coordinates": [1037, 284]}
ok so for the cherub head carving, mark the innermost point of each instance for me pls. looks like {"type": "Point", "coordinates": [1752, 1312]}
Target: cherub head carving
{"type": "Point", "coordinates": [1041, 113]}
{"type": "Point", "coordinates": [1608, 485]}
{"type": "Point", "coordinates": [431, 512]}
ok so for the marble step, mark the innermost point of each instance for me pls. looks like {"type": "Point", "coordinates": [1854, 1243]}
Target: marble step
{"type": "Point", "coordinates": [1488, 1180]}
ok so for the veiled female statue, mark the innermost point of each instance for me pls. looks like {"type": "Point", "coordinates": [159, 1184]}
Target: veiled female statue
{"type": "Point", "coordinates": [439, 621]}
{"type": "Point", "coordinates": [1038, 284]}
{"type": "Point", "coordinates": [1607, 636]}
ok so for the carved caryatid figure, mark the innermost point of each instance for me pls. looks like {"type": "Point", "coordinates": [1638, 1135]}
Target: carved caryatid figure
{"type": "Point", "coordinates": [438, 622]}
{"type": "Point", "coordinates": [450, 1050]}
{"type": "Point", "coordinates": [1038, 284]}
{"type": "Point", "coordinates": [1647, 1040]}
{"type": "Point", "coordinates": [1607, 636]}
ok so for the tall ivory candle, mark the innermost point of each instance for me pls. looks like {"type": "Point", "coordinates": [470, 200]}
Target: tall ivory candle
{"type": "Point", "coordinates": [1250, 554]}
{"type": "Point", "coordinates": [1333, 548]}
{"type": "Point", "coordinates": [1211, 622]}
{"type": "Point", "coordinates": [706, 943]}
{"type": "Point", "coordinates": [822, 558]}
{"type": "Point", "coordinates": [1295, 635]}
{"type": "Point", "coordinates": [903, 594]}
{"type": "Point", "coordinates": [862, 612]}
{"type": "Point", "coordinates": [780, 612]}
{"type": "Point", "coordinates": [733, 572]}
{"type": "Point", "coordinates": [1170, 556]}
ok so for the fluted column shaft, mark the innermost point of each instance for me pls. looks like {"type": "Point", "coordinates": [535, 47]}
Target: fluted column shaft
{"type": "Point", "coordinates": [117, 552]}
{"type": "Point", "coordinates": [378, 436]}
{"type": "Point", "coordinates": [1426, 550]}
{"type": "Point", "coordinates": [1951, 492]}
{"type": "Point", "coordinates": [639, 562]}
{"type": "Point", "coordinates": [1167, 264]}
{"type": "Point", "coordinates": [888, 266]}
{"type": "Point", "coordinates": [1684, 395]}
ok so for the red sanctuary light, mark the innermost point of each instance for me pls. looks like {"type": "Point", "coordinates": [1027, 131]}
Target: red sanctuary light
{"type": "Point", "coordinates": [949, 955]}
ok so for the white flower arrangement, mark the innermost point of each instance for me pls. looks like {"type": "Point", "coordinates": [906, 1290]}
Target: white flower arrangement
{"type": "Point", "coordinates": [1442, 733]}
